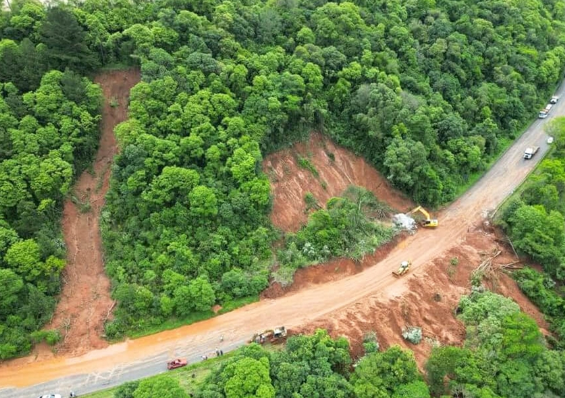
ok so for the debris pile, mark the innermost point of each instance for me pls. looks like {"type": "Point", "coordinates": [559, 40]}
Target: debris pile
{"type": "Point", "coordinates": [404, 222]}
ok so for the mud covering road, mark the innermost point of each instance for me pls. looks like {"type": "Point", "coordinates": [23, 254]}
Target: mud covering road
{"type": "Point", "coordinates": [146, 356]}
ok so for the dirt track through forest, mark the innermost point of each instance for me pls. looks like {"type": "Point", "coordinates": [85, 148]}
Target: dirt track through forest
{"type": "Point", "coordinates": [318, 305]}
{"type": "Point", "coordinates": [85, 300]}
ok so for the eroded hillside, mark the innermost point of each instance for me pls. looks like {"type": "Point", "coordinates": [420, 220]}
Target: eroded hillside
{"type": "Point", "coordinates": [325, 170]}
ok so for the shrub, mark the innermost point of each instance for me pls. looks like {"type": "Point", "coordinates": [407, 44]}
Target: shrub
{"type": "Point", "coordinates": [413, 334]}
{"type": "Point", "coordinates": [370, 342]}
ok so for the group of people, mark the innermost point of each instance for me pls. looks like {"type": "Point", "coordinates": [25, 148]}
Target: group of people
{"type": "Point", "coordinates": [219, 353]}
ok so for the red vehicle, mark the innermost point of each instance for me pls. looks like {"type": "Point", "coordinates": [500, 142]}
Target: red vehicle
{"type": "Point", "coordinates": [176, 363]}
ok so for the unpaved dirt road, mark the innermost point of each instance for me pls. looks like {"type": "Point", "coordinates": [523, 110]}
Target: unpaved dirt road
{"type": "Point", "coordinates": [146, 356]}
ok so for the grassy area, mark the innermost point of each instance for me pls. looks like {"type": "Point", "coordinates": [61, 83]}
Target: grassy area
{"type": "Point", "coordinates": [237, 303]}
{"type": "Point", "coordinates": [183, 375]}
{"type": "Point", "coordinates": [192, 318]}
{"type": "Point", "coordinates": [118, 66]}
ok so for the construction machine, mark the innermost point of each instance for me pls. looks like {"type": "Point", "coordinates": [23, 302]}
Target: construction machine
{"type": "Point", "coordinates": [403, 269]}
{"type": "Point", "coordinates": [428, 222]}
{"type": "Point", "coordinates": [270, 335]}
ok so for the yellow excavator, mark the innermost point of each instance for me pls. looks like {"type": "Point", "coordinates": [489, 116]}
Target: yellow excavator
{"type": "Point", "coordinates": [428, 222]}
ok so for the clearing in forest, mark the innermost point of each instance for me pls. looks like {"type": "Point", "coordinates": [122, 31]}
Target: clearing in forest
{"type": "Point", "coordinates": [320, 167]}
{"type": "Point", "coordinates": [325, 170]}
{"type": "Point", "coordinates": [85, 301]}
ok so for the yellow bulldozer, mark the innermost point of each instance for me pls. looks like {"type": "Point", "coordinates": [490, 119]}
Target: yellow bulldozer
{"type": "Point", "coordinates": [428, 222]}
{"type": "Point", "coordinates": [403, 269]}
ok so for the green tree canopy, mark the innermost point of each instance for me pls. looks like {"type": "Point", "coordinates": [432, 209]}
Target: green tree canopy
{"type": "Point", "coordinates": [381, 374]}
{"type": "Point", "coordinates": [164, 386]}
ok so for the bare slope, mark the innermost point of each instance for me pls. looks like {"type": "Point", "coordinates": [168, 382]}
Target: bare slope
{"type": "Point", "coordinates": [85, 301]}
{"type": "Point", "coordinates": [334, 169]}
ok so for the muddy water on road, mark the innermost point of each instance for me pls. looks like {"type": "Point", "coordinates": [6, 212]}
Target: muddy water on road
{"type": "Point", "coordinates": [318, 302]}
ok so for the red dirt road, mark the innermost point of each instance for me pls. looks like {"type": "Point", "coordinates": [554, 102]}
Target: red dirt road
{"type": "Point", "coordinates": [429, 301]}
{"type": "Point", "coordinates": [85, 300]}
{"type": "Point", "coordinates": [320, 304]}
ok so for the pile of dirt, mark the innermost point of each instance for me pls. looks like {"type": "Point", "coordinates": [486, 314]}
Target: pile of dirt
{"type": "Point", "coordinates": [85, 301]}
{"type": "Point", "coordinates": [325, 170]}
{"type": "Point", "coordinates": [430, 302]}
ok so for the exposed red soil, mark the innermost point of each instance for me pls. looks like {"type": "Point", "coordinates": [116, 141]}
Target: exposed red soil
{"type": "Point", "coordinates": [431, 299]}
{"type": "Point", "coordinates": [85, 301]}
{"type": "Point", "coordinates": [430, 302]}
{"type": "Point", "coordinates": [290, 182]}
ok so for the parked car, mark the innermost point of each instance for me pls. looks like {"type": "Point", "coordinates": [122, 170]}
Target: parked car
{"type": "Point", "coordinates": [554, 99]}
{"type": "Point", "coordinates": [176, 363]}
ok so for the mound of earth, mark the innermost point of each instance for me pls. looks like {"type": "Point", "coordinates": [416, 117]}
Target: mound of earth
{"type": "Point", "coordinates": [325, 170]}
{"type": "Point", "coordinates": [430, 302]}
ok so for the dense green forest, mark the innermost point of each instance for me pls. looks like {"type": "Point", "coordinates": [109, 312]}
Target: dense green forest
{"type": "Point", "coordinates": [427, 91]}
{"type": "Point", "coordinates": [504, 356]}
{"type": "Point", "coordinates": [47, 137]}
{"type": "Point", "coordinates": [49, 131]}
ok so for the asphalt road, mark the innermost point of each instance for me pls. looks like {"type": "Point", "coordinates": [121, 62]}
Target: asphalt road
{"type": "Point", "coordinates": [147, 356]}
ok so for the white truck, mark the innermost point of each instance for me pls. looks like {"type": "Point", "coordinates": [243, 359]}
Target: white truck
{"type": "Point", "coordinates": [530, 152]}
{"type": "Point", "coordinates": [554, 99]}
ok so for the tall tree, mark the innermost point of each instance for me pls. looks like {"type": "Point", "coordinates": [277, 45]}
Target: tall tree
{"type": "Point", "coordinates": [66, 41]}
